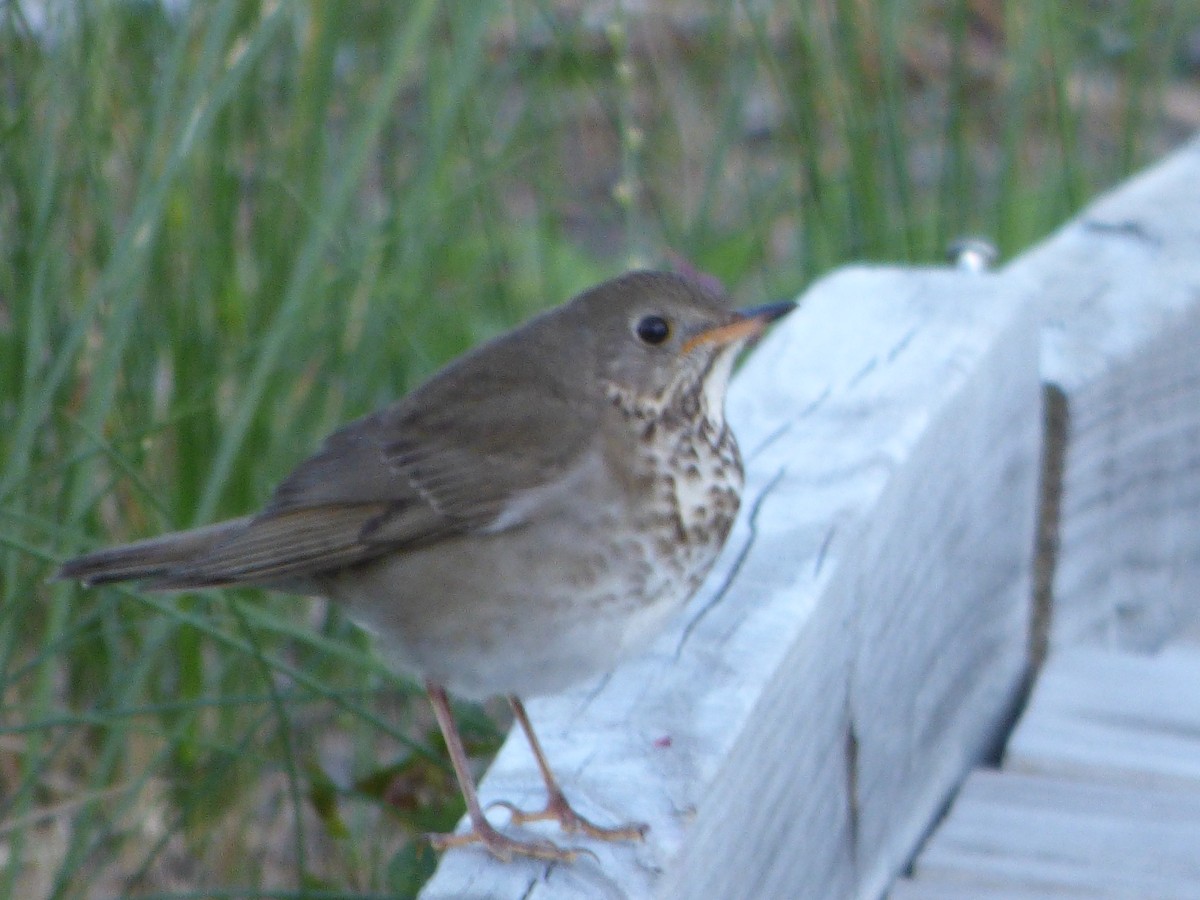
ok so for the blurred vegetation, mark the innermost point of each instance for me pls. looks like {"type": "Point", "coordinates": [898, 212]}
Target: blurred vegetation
{"type": "Point", "coordinates": [226, 227]}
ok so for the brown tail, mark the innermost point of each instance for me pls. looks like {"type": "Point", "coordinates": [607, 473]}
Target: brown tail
{"type": "Point", "coordinates": [151, 559]}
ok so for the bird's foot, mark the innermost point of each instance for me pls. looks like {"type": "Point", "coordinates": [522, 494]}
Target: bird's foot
{"type": "Point", "coordinates": [503, 847]}
{"type": "Point", "coordinates": [558, 809]}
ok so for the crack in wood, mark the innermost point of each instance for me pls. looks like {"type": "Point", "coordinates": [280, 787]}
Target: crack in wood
{"type": "Point", "coordinates": [852, 799]}
{"type": "Point", "coordinates": [901, 345]}
{"type": "Point", "coordinates": [824, 550]}
{"type": "Point", "coordinates": [768, 441]}
{"type": "Point", "coordinates": [1055, 412]}
{"type": "Point", "coordinates": [591, 695]}
{"type": "Point", "coordinates": [1127, 228]}
{"type": "Point", "coordinates": [863, 373]}
{"type": "Point", "coordinates": [816, 403]}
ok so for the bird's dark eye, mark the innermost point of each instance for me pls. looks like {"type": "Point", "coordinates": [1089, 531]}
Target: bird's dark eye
{"type": "Point", "coordinates": [653, 329]}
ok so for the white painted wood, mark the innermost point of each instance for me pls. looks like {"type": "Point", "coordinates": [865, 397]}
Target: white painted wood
{"type": "Point", "coordinates": [1117, 717]}
{"type": "Point", "coordinates": [928, 889]}
{"type": "Point", "coordinates": [1119, 295]}
{"type": "Point", "coordinates": [860, 643]}
{"type": "Point", "coordinates": [1030, 832]}
{"type": "Point", "coordinates": [1099, 795]}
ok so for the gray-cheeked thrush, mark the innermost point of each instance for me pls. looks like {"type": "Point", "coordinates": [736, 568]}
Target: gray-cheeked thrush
{"type": "Point", "coordinates": [528, 517]}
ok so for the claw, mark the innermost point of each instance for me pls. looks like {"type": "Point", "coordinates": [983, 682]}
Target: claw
{"type": "Point", "coordinates": [505, 848]}
{"type": "Point", "coordinates": [559, 810]}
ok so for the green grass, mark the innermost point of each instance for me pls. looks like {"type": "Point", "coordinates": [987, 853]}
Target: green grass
{"type": "Point", "coordinates": [227, 230]}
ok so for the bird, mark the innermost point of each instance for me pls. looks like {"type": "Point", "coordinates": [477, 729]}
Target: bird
{"type": "Point", "coordinates": [534, 513]}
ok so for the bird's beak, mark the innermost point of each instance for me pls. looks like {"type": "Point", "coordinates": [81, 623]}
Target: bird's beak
{"type": "Point", "coordinates": [747, 325]}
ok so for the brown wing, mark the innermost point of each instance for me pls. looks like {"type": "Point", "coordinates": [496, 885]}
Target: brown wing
{"type": "Point", "coordinates": [448, 459]}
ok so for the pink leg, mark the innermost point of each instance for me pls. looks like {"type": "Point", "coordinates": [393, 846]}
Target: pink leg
{"type": "Point", "coordinates": [557, 807]}
{"type": "Point", "coordinates": [482, 832]}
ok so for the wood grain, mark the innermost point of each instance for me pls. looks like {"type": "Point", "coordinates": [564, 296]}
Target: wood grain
{"type": "Point", "coordinates": [1119, 717]}
{"type": "Point", "coordinates": [1119, 300]}
{"type": "Point", "coordinates": [1085, 838]}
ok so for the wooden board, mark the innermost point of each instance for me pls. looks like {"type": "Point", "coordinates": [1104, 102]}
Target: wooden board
{"type": "Point", "coordinates": [1118, 717]}
{"type": "Point", "coordinates": [1030, 832]}
{"type": "Point", "coordinates": [862, 640]}
{"type": "Point", "coordinates": [1119, 295]}
{"type": "Point", "coordinates": [928, 889]}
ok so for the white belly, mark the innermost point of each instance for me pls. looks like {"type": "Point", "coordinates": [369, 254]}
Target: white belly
{"type": "Point", "coordinates": [517, 613]}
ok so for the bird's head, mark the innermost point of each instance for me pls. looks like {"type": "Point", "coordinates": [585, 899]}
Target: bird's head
{"type": "Point", "coordinates": [660, 336]}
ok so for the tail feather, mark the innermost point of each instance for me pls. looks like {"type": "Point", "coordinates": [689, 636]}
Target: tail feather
{"type": "Point", "coordinates": [154, 558]}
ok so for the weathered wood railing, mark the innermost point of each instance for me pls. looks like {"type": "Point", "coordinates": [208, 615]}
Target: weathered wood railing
{"type": "Point", "coordinates": [870, 630]}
